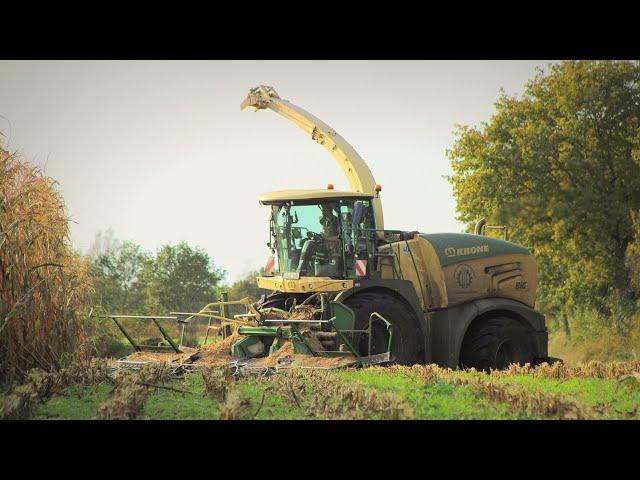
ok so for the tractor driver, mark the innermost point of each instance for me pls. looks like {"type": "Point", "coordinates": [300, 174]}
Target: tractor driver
{"type": "Point", "coordinates": [327, 241]}
{"type": "Point", "coordinates": [329, 222]}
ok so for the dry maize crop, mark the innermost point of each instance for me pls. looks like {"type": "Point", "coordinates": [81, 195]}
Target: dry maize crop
{"type": "Point", "coordinates": [44, 285]}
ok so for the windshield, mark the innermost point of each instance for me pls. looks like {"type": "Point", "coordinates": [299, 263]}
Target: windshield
{"type": "Point", "coordinates": [310, 237]}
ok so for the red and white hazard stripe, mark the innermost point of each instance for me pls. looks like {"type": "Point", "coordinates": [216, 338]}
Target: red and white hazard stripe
{"type": "Point", "coordinates": [361, 268]}
{"type": "Point", "coordinates": [271, 263]}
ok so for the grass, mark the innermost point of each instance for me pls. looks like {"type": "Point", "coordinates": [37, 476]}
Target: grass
{"type": "Point", "coordinates": [85, 391]}
{"type": "Point", "coordinates": [438, 401]}
{"type": "Point", "coordinates": [421, 392]}
{"type": "Point", "coordinates": [606, 398]}
{"type": "Point", "coordinates": [82, 402]}
{"type": "Point", "coordinates": [77, 403]}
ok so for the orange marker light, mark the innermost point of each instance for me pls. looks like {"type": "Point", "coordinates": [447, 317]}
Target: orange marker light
{"type": "Point", "coordinates": [378, 187]}
{"type": "Point", "coordinates": [329, 186]}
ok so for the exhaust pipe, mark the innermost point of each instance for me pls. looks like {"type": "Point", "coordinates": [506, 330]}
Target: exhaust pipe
{"type": "Point", "coordinates": [479, 230]}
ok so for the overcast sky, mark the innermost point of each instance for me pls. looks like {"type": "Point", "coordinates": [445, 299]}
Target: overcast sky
{"type": "Point", "coordinates": [160, 152]}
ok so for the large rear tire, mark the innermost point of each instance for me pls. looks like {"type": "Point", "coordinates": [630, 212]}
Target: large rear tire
{"type": "Point", "coordinates": [406, 342]}
{"type": "Point", "coordinates": [495, 344]}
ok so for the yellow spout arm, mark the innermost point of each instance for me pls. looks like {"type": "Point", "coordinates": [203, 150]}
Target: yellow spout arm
{"type": "Point", "coordinates": [354, 167]}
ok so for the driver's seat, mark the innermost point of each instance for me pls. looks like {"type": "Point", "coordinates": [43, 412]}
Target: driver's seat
{"type": "Point", "coordinates": [306, 253]}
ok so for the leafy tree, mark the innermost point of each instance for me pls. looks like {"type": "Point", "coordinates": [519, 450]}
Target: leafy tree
{"type": "Point", "coordinates": [247, 287]}
{"type": "Point", "coordinates": [116, 268]}
{"type": "Point", "coordinates": [561, 166]}
{"type": "Point", "coordinates": [118, 285]}
{"type": "Point", "coordinates": [181, 278]}
{"type": "Point", "coordinates": [633, 257]}
{"type": "Point", "coordinates": [129, 280]}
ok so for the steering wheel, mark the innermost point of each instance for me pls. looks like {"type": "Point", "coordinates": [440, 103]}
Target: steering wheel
{"type": "Point", "coordinates": [313, 235]}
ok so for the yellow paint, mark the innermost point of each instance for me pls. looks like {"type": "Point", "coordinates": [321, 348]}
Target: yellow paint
{"type": "Point", "coordinates": [304, 284]}
{"type": "Point", "coordinates": [283, 195]}
{"type": "Point", "coordinates": [206, 312]}
{"type": "Point", "coordinates": [508, 276]}
{"type": "Point", "coordinates": [353, 166]}
{"type": "Point", "coordinates": [426, 276]}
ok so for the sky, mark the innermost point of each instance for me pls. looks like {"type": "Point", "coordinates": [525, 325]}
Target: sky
{"type": "Point", "coordinates": [160, 152]}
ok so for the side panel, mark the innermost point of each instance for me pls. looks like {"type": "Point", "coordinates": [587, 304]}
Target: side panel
{"type": "Point", "coordinates": [495, 269]}
{"type": "Point", "coordinates": [476, 266]}
{"type": "Point", "coordinates": [509, 276]}
{"type": "Point", "coordinates": [448, 327]}
{"type": "Point", "coordinates": [416, 260]}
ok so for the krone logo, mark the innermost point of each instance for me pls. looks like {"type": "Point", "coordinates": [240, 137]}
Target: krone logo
{"type": "Point", "coordinates": [458, 252]}
{"type": "Point", "coordinates": [463, 275]}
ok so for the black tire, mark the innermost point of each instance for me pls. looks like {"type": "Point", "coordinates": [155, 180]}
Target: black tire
{"type": "Point", "coordinates": [495, 343]}
{"type": "Point", "coordinates": [407, 336]}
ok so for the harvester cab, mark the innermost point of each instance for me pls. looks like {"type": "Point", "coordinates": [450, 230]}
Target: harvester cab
{"type": "Point", "coordinates": [320, 233]}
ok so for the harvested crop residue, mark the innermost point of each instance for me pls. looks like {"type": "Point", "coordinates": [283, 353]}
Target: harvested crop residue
{"type": "Point", "coordinates": [286, 350]}
{"type": "Point", "coordinates": [217, 353]}
{"type": "Point", "coordinates": [169, 357]}
{"type": "Point", "coordinates": [274, 313]}
{"type": "Point", "coordinates": [322, 361]}
{"type": "Point", "coordinates": [304, 312]}
{"type": "Point", "coordinates": [286, 355]}
{"type": "Point", "coordinates": [220, 354]}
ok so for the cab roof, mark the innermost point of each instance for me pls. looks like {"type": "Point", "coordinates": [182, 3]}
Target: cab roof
{"type": "Point", "coordinates": [319, 194]}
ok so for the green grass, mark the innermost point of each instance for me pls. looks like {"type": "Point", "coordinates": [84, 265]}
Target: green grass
{"type": "Point", "coordinates": [438, 400]}
{"type": "Point", "coordinates": [610, 398]}
{"type": "Point", "coordinates": [81, 402]}
{"type": "Point", "coordinates": [77, 403]}
{"type": "Point", "coordinates": [275, 406]}
{"type": "Point", "coordinates": [168, 405]}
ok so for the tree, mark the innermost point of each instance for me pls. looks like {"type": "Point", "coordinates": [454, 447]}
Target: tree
{"type": "Point", "coordinates": [247, 287]}
{"type": "Point", "coordinates": [129, 280]}
{"type": "Point", "coordinates": [181, 278]}
{"type": "Point", "coordinates": [118, 283]}
{"type": "Point", "coordinates": [561, 167]}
